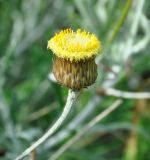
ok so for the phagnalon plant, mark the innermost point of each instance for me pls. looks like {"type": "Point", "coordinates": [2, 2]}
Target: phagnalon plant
{"type": "Point", "coordinates": [74, 67]}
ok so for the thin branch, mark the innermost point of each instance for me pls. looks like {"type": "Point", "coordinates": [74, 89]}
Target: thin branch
{"type": "Point", "coordinates": [133, 29]}
{"type": "Point", "coordinates": [141, 45]}
{"type": "Point", "coordinates": [72, 95]}
{"type": "Point", "coordinates": [40, 113]}
{"type": "Point", "coordinates": [51, 77]}
{"type": "Point", "coordinates": [123, 94]}
{"type": "Point", "coordinates": [117, 27]}
{"type": "Point", "coordinates": [92, 123]}
{"type": "Point", "coordinates": [33, 155]}
{"type": "Point", "coordinates": [120, 21]}
{"type": "Point", "coordinates": [78, 120]}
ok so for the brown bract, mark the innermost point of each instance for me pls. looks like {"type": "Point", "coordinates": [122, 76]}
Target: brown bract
{"type": "Point", "coordinates": [75, 75]}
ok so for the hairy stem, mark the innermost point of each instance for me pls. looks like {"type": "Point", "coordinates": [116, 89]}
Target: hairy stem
{"type": "Point", "coordinates": [72, 95]}
{"type": "Point", "coordinates": [85, 129]}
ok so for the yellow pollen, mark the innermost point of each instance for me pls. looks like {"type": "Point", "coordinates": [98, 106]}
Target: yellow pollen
{"type": "Point", "coordinates": [74, 46]}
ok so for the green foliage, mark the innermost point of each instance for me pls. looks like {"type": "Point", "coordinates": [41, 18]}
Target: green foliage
{"type": "Point", "coordinates": [30, 102]}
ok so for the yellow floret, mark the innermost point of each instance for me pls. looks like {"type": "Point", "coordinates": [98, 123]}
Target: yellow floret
{"type": "Point", "coordinates": [74, 46]}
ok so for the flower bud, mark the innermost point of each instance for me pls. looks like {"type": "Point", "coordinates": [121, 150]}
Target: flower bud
{"type": "Point", "coordinates": [74, 58]}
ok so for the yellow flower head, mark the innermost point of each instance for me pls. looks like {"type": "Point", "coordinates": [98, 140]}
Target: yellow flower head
{"type": "Point", "coordinates": [74, 46]}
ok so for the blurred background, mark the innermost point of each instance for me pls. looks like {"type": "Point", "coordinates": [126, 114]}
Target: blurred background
{"type": "Point", "coordinates": [30, 102]}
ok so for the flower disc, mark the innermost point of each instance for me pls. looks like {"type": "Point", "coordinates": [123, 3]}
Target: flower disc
{"type": "Point", "coordinates": [74, 46]}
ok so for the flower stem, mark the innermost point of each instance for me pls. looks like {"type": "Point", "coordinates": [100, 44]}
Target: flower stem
{"type": "Point", "coordinates": [72, 95]}
{"type": "Point", "coordinates": [85, 129]}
